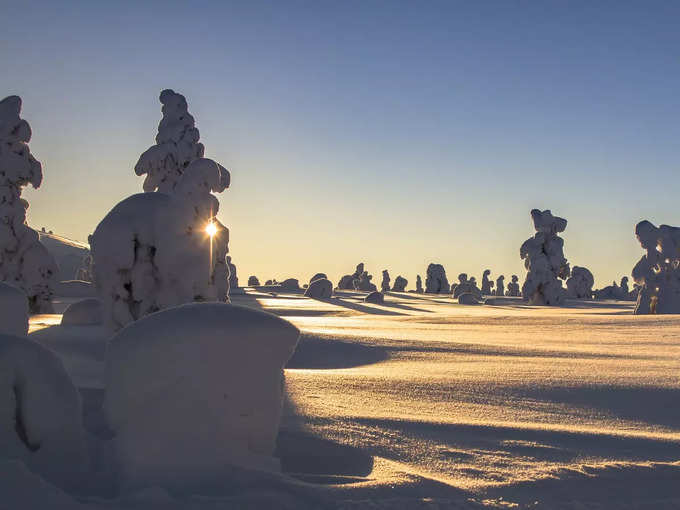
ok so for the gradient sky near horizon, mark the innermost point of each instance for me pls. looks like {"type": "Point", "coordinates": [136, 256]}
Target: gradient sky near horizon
{"type": "Point", "coordinates": [393, 133]}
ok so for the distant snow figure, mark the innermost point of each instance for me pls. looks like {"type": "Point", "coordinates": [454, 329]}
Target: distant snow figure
{"type": "Point", "coordinates": [486, 283]}
{"type": "Point", "coordinates": [176, 146]}
{"type": "Point", "coordinates": [544, 260]}
{"type": "Point", "coordinates": [24, 261]}
{"type": "Point", "coordinates": [364, 282]}
{"type": "Point", "coordinates": [347, 281]}
{"type": "Point", "coordinates": [233, 277]}
{"type": "Point", "coordinates": [466, 298]}
{"type": "Point", "coordinates": [465, 286]}
{"type": "Point", "coordinates": [419, 284]}
{"type": "Point", "coordinates": [657, 273]}
{"type": "Point", "coordinates": [400, 284]}
{"type": "Point", "coordinates": [195, 389]}
{"type": "Point", "coordinates": [290, 284]}
{"type": "Point", "coordinates": [320, 288]}
{"type": "Point", "coordinates": [500, 287]}
{"type": "Point", "coordinates": [253, 281]}
{"type": "Point", "coordinates": [318, 276]}
{"type": "Point", "coordinates": [375, 297]}
{"type": "Point", "coordinates": [580, 283]}
{"type": "Point", "coordinates": [513, 286]}
{"type": "Point", "coordinates": [436, 282]}
{"type": "Point", "coordinates": [385, 284]}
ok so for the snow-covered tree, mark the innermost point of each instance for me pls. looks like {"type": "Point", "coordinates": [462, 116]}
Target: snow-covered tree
{"type": "Point", "coordinates": [24, 261]}
{"type": "Point", "coordinates": [157, 250]}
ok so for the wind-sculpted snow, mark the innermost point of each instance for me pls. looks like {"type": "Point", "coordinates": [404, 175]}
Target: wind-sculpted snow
{"type": "Point", "coordinates": [24, 261]}
{"type": "Point", "coordinates": [321, 288]}
{"type": "Point", "coordinates": [40, 413]}
{"type": "Point", "coordinates": [400, 284]}
{"type": "Point", "coordinates": [194, 389]}
{"type": "Point", "coordinates": [544, 260]}
{"type": "Point", "coordinates": [176, 146]}
{"type": "Point", "coordinates": [385, 283]}
{"type": "Point", "coordinates": [657, 273]}
{"type": "Point", "coordinates": [13, 311]}
{"type": "Point", "coordinates": [436, 282]}
{"type": "Point", "coordinates": [152, 250]}
{"type": "Point", "coordinates": [580, 283]}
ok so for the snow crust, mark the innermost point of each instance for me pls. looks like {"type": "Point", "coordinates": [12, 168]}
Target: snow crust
{"type": "Point", "coordinates": [193, 388]}
{"type": "Point", "coordinates": [13, 311]}
{"type": "Point", "coordinates": [24, 261]}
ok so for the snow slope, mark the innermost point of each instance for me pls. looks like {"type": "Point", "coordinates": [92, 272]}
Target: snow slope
{"type": "Point", "coordinates": [68, 254]}
{"type": "Point", "coordinates": [423, 403]}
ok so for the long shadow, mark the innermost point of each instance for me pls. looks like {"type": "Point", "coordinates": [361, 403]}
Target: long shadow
{"type": "Point", "coordinates": [363, 309]}
{"type": "Point", "coordinates": [392, 304]}
{"type": "Point", "coordinates": [318, 352]}
{"type": "Point", "coordinates": [655, 406]}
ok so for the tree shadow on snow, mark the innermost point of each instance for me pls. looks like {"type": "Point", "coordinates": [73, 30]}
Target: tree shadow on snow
{"type": "Point", "coordinates": [318, 352]}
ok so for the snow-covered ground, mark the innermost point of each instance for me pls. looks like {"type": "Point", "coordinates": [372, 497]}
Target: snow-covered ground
{"type": "Point", "coordinates": [423, 403]}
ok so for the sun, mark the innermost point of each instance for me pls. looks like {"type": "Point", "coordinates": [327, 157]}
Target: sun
{"type": "Point", "coordinates": [211, 229]}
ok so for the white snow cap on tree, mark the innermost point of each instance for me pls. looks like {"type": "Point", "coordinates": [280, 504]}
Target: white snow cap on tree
{"type": "Point", "coordinates": [176, 146]}
{"type": "Point", "coordinates": [580, 283]}
{"type": "Point", "coordinates": [544, 260]}
{"type": "Point", "coordinates": [23, 260]}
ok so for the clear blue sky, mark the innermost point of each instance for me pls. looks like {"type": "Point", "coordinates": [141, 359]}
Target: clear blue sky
{"type": "Point", "coordinates": [394, 133]}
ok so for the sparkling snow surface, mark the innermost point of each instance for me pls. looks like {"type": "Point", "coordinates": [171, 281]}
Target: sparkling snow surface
{"type": "Point", "coordinates": [469, 406]}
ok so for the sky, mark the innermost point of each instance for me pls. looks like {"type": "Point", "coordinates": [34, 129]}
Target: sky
{"type": "Point", "coordinates": [390, 133]}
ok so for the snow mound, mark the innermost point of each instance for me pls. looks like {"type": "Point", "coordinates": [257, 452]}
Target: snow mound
{"type": "Point", "coordinates": [40, 412]}
{"type": "Point", "coordinates": [580, 283]}
{"type": "Point", "coordinates": [253, 281]}
{"type": "Point", "coordinates": [375, 297]}
{"type": "Point", "coordinates": [400, 284]}
{"type": "Point", "coordinates": [320, 289]}
{"type": "Point", "coordinates": [318, 276]}
{"type": "Point", "coordinates": [467, 298]}
{"type": "Point", "coordinates": [13, 311]}
{"type": "Point", "coordinates": [436, 281]}
{"type": "Point", "coordinates": [195, 388]}
{"type": "Point", "coordinates": [290, 284]}
{"type": "Point", "coordinates": [83, 313]}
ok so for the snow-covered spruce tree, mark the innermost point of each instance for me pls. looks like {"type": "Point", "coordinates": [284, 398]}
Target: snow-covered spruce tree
{"type": "Point", "coordinates": [157, 250]}
{"type": "Point", "coordinates": [176, 146]}
{"type": "Point", "coordinates": [24, 261]}
{"type": "Point", "coordinates": [543, 256]}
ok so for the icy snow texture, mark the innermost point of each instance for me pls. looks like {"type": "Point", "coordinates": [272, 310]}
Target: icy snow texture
{"type": "Point", "coordinates": [176, 146]}
{"type": "Point", "coordinates": [544, 260]}
{"type": "Point", "coordinates": [13, 311]}
{"type": "Point", "coordinates": [436, 282]}
{"type": "Point", "coordinates": [580, 283]}
{"type": "Point", "coordinates": [320, 289]}
{"type": "Point", "coordinates": [400, 284]}
{"type": "Point", "coordinates": [513, 287]}
{"type": "Point", "coordinates": [419, 284]}
{"type": "Point", "coordinates": [486, 283]}
{"type": "Point", "coordinates": [151, 250]}
{"type": "Point", "coordinates": [657, 273]}
{"type": "Point", "coordinates": [347, 281]}
{"type": "Point", "coordinates": [233, 277]}
{"type": "Point", "coordinates": [375, 297]}
{"type": "Point", "coordinates": [24, 262]}
{"type": "Point", "coordinates": [83, 313]}
{"type": "Point", "coordinates": [500, 287]}
{"type": "Point", "coordinates": [385, 283]}
{"type": "Point", "coordinates": [318, 276]}
{"type": "Point", "coordinates": [40, 412]}
{"type": "Point", "coordinates": [195, 388]}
